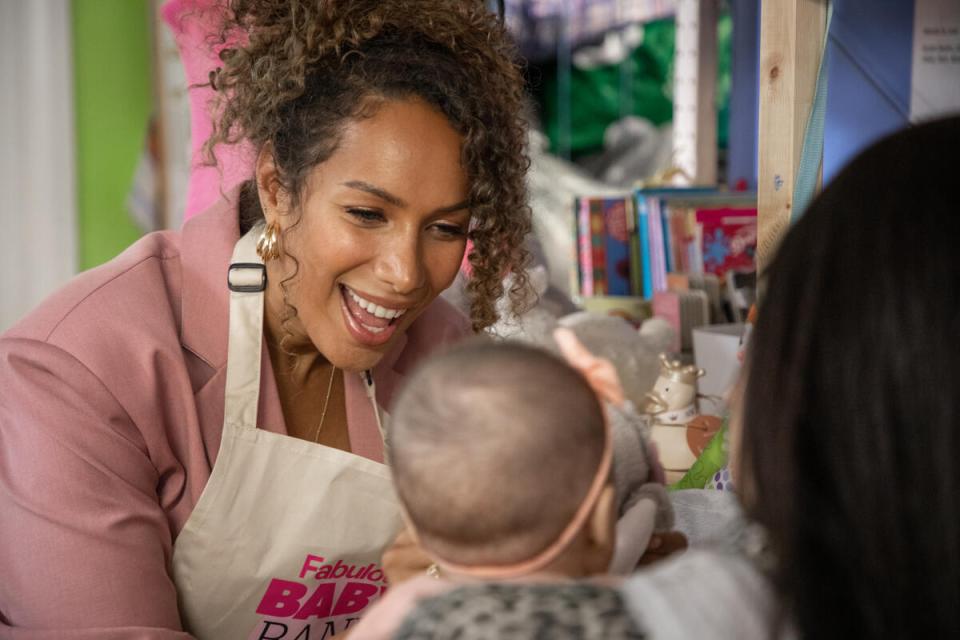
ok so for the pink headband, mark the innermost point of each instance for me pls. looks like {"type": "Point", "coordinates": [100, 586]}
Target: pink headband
{"type": "Point", "coordinates": [553, 551]}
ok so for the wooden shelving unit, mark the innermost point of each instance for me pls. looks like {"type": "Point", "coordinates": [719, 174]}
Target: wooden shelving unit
{"type": "Point", "coordinates": [791, 40]}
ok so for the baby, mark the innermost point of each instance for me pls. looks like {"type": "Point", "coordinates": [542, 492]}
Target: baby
{"type": "Point", "coordinates": [501, 458]}
{"type": "Point", "coordinates": [501, 455]}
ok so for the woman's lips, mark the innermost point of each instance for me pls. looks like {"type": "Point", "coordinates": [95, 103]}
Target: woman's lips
{"type": "Point", "coordinates": [365, 327]}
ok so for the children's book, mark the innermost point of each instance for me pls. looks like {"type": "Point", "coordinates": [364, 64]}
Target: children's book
{"type": "Point", "coordinates": [598, 243]}
{"type": "Point", "coordinates": [643, 226]}
{"type": "Point", "coordinates": [636, 259]}
{"type": "Point", "coordinates": [658, 258]}
{"type": "Point", "coordinates": [616, 238]}
{"type": "Point", "coordinates": [729, 239]}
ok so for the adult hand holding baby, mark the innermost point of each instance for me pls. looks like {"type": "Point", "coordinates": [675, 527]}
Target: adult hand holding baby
{"type": "Point", "coordinates": [405, 558]}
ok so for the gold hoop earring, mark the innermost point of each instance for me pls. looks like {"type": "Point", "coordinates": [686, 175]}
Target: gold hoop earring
{"type": "Point", "coordinates": [268, 246]}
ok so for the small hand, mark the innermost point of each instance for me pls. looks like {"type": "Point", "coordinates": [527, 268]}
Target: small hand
{"type": "Point", "coordinates": [404, 559]}
{"type": "Point", "coordinates": [662, 545]}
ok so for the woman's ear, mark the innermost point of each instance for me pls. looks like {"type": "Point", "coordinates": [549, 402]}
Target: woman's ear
{"type": "Point", "coordinates": [269, 188]}
{"type": "Point", "coordinates": [601, 530]}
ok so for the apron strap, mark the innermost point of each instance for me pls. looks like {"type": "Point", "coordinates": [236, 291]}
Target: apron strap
{"type": "Point", "coordinates": [247, 280]}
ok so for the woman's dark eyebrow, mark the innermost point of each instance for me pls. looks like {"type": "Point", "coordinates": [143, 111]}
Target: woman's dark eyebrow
{"type": "Point", "coordinates": [386, 196]}
{"type": "Point", "coordinates": [454, 207]}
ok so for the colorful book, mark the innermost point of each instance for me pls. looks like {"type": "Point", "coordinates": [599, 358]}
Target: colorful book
{"type": "Point", "coordinates": [636, 261]}
{"type": "Point", "coordinates": [683, 232]}
{"type": "Point", "coordinates": [650, 204]}
{"type": "Point", "coordinates": [628, 246]}
{"type": "Point", "coordinates": [643, 227]}
{"type": "Point", "coordinates": [586, 248]}
{"type": "Point", "coordinates": [599, 249]}
{"type": "Point", "coordinates": [658, 260]}
{"type": "Point", "coordinates": [616, 238]}
{"type": "Point", "coordinates": [667, 236]}
{"type": "Point", "coordinates": [729, 239]}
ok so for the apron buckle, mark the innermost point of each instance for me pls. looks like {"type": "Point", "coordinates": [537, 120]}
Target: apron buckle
{"type": "Point", "coordinates": [241, 279]}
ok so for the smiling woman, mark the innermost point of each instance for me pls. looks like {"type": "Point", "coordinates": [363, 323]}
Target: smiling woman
{"type": "Point", "coordinates": [381, 232]}
{"type": "Point", "coordinates": [189, 424]}
{"type": "Point", "coordinates": [454, 60]}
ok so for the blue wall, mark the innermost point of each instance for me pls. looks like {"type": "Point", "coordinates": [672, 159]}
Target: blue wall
{"type": "Point", "coordinates": [871, 53]}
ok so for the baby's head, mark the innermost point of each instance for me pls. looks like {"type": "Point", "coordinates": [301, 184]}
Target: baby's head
{"type": "Point", "coordinates": [496, 449]}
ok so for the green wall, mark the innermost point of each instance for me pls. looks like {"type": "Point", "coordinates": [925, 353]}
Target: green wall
{"type": "Point", "coordinates": [113, 96]}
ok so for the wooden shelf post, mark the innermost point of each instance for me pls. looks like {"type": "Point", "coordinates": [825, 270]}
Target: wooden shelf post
{"type": "Point", "coordinates": [791, 40]}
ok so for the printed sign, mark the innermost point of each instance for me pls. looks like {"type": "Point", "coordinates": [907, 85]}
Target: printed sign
{"type": "Point", "coordinates": [324, 599]}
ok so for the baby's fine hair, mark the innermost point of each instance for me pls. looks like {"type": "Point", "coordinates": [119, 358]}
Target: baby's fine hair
{"type": "Point", "coordinates": [493, 447]}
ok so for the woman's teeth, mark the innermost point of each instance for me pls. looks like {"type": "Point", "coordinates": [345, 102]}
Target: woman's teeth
{"type": "Point", "coordinates": [375, 309]}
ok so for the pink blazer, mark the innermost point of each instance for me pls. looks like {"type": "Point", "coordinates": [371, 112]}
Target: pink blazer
{"type": "Point", "coordinates": [110, 421]}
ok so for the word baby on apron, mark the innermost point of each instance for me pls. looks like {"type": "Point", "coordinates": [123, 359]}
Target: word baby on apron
{"type": "Point", "coordinates": [286, 540]}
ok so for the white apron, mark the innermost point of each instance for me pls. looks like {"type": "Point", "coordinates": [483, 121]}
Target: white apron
{"type": "Point", "coordinates": [286, 539]}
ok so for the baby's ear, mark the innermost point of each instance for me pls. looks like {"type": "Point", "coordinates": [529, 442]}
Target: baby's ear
{"type": "Point", "coordinates": [601, 530]}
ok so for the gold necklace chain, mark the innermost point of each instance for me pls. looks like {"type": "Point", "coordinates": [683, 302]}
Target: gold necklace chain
{"type": "Point", "coordinates": [326, 404]}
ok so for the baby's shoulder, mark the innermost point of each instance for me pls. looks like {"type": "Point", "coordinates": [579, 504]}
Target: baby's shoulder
{"type": "Point", "coordinates": [555, 610]}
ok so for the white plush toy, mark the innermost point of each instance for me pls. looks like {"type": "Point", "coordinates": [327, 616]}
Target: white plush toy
{"type": "Point", "coordinates": [634, 353]}
{"type": "Point", "coordinates": [676, 425]}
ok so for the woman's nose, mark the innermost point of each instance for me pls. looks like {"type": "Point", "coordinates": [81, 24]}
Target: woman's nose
{"type": "Point", "coordinates": [400, 264]}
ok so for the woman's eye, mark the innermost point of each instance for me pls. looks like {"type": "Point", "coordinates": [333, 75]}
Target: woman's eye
{"type": "Point", "coordinates": [450, 231]}
{"type": "Point", "coordinates": [366, 215]}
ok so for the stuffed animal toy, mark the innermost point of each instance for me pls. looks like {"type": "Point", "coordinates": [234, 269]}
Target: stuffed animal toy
{"type": "Point", "coordinates": [642, 501]}
{"type": "Point", "coordinates": [633, 352]}
{"type": "Point", "coordinates": [676, 426]}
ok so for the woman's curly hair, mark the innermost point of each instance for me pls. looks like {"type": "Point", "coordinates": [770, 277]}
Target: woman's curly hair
{"type": "Point", "coordinates": [307, 66]}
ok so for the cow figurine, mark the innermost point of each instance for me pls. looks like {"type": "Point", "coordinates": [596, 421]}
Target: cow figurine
{"type": "Point", "coordinates": [676, 426]}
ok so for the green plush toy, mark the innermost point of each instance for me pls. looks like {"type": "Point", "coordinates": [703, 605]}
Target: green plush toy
{"type": "Point", "coordinates": [710, 462]}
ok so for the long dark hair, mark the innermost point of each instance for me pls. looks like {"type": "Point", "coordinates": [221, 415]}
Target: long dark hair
{"type": "Point", "coordinates": [851, 442]}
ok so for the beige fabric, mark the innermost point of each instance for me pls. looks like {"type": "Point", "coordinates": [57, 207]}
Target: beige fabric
{"type": "Point", "coordinates": [287, 533]}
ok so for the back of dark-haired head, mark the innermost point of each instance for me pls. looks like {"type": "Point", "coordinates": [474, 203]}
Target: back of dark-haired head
{"type": "Point", "coordinates": [493, 447]}
{"type": "Point", "coordinates": [852, 405]}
